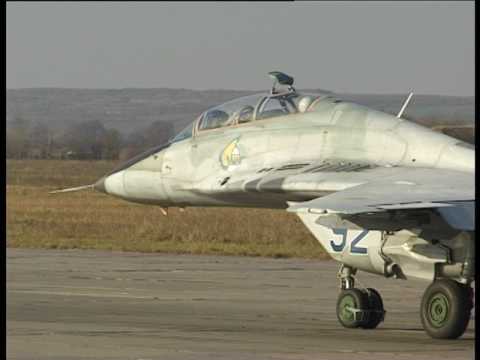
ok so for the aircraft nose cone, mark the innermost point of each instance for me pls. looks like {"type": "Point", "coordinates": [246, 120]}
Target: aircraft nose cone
{"type": "Point", "coordinates": [111, 184]}
{"type": "Point", "coordinates": [100, 185]}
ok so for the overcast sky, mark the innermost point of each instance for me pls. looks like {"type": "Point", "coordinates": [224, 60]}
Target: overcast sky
{"type": "Point", "coordinates": [362, 47]}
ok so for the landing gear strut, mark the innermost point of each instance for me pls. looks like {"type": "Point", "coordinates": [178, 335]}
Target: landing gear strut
{"type": "Point", "coordinates": [358, 308]}
{"type": "Point", "coordinates": [445, 309]}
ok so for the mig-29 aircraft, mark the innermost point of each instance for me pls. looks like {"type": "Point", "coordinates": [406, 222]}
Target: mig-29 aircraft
{"type": "Point", "coordinates": [380, 193]}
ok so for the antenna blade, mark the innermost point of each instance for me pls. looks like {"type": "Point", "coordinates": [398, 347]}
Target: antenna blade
{"type": "Point", "coordinates": [400, 113]}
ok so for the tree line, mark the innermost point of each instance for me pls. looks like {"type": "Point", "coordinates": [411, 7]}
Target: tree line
{"type": "Point", "coordinates": [91, 140]}
{"type": "Point", "coordinates": [88, 140]}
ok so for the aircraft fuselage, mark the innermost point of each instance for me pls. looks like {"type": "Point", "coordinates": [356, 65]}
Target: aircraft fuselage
{"type": "Point", "coordinates": [200, 170]}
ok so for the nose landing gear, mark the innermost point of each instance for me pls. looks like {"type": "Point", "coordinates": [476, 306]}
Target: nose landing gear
{"type": "Point", "coordinates": [358, 308]}
{"type": "Point", "coordinates": [351, 308]}
{"type": "Point", "coordinates": [376, 310]}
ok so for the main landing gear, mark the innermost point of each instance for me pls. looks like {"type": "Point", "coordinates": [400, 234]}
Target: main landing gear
{"type": "Point", "coordinates": [444, 311]}
{"type": "Point", "coordinates": [358, 308]}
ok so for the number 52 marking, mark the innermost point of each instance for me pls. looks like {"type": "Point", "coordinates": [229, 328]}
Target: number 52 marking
{"type": "Point", "coordinates": [354, 248]}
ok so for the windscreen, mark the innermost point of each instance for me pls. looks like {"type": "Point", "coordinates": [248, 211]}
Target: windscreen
{"type": "Point", "coordinates": [184, 134]}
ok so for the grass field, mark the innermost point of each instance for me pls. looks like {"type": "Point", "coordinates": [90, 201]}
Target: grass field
{"type": "Point", "coordinates": [91, 220]}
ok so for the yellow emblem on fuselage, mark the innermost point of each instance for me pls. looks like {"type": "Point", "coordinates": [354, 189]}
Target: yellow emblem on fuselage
{"type": "Point", "coordinates": [230, 155]}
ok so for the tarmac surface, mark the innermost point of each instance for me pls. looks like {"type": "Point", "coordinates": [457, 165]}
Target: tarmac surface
{"type": "Point", "coordinates": [76, 304]}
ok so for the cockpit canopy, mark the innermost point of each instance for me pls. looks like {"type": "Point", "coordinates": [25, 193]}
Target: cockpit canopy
{"type": "Point", "coordinates": [254, 108]}
{"type": "Point", "coordinates": [249, 108]}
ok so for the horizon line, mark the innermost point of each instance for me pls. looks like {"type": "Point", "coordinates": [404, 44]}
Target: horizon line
{"type": "Point", "coordinates": [224, 89]}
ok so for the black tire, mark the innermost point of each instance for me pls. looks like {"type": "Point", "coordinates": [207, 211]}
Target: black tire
{"type": "Point", "coordinates": [445, 309]}
{"type": "Point", "coordinates": [376, 314]}
{"type": "Point", "coordinates": [348, 299]}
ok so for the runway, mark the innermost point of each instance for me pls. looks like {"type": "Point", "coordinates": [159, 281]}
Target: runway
{"type": "Point", "coordinates": [99, 305]}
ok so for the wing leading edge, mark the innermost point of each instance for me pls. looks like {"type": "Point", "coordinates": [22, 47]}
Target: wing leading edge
{"type": "Point", "coordinates": [450, 192]}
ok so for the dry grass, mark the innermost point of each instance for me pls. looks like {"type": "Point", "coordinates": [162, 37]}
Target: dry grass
{"type": "Point", "coordinates": [90, 220]}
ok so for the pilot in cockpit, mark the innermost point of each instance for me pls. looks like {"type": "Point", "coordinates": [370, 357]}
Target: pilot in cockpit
{"type": "Point", "coordinates": [245, 114]}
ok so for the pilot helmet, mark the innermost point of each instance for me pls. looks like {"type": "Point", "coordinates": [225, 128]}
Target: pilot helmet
{"type": "Point", "coordinates": [216, 117]}
{"type": "Point", "coordinates": [245, 114]}
{"type": "Point", "coordinates": [305, 103]}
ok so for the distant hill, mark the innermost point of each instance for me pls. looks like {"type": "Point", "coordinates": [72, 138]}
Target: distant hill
{"type": "Point", "coordinates": [129, 109]}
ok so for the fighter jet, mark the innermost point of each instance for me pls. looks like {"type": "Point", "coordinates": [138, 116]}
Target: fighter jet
{"type": "Point", "coordinates": [380, 193]}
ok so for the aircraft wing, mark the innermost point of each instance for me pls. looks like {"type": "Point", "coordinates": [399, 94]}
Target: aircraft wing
{"type": "Point", "coordinates": [452, 193]}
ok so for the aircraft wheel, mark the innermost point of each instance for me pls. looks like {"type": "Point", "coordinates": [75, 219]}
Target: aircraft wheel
{"type": "Point", "coordinates": [351, 305]}
{"type": "Point", "coordinates": [377, 311]}
{"type": "Point", "coordinates": [445, 309]}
